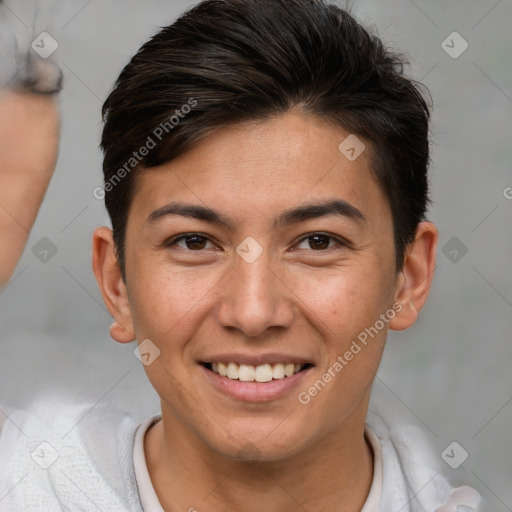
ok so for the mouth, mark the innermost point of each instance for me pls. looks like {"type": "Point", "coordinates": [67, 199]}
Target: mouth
{"type": "Point", "coordinates": [262, 373]}
{"type": "Point", "coordinates": [256, 383]}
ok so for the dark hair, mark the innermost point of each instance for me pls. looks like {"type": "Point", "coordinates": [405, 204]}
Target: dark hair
{"type": "Point", "coordinates": [240, 60]}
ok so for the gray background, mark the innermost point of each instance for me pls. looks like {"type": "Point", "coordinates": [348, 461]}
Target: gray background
{"type": "Point", "coordinates": [449, 373]}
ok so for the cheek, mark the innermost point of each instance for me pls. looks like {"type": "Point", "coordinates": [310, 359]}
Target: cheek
{"type": "Point", "coordinates": [344, 310]}
{"type": "Point", "coordinates": [166, 304]}
{"type": "Point", "coordinates": [166, 311]}
{"type": "Point", "coordinates": [342, 302]}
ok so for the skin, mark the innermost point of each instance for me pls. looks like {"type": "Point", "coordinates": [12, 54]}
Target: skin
{"type": "Point", "coordinates": [29, 138]}
{"type": "Point", "coordinates": [214, 452]}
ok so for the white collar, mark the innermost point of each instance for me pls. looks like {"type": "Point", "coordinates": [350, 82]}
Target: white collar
{"type": "Point", "coordinates": [149, 499]}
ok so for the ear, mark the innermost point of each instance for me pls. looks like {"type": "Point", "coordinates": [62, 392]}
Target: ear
{"type": "Point", "coordinates": [415, 278]}
{"type": "Point", "coordinates": [108, 274]}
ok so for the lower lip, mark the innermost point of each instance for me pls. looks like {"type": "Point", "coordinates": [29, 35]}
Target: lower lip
{"type": "Point", "coordinates": [255, 391]}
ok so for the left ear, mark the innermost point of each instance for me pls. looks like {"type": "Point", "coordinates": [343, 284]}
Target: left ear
{"type": "Point", "coordinates": [415, 278]}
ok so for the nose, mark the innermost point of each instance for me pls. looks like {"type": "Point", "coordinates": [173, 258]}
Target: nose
{"type": "Point", "coordinates": [255, 298]}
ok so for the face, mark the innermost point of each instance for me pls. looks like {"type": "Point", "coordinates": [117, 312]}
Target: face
{"type": "Point", "coordinates": [227, 261]}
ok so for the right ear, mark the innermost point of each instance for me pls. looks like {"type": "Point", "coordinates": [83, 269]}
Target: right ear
{"type": "Point", "coordinates": [108, 274]}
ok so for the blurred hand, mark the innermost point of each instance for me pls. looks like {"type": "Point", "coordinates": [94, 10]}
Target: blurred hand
{"type": "Point", "coordinates": [29, 140]}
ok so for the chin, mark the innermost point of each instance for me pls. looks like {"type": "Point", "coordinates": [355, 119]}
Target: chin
{"type": "Point", "coordinates": [261, 445]}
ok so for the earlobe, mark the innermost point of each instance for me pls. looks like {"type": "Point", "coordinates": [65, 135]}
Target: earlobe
{"type": "Point", "coordinates": [415, 279]}
{"type": "Point", "coordinates": [113, 289]}
{"type": "Point", "coordinates": [121, 334]}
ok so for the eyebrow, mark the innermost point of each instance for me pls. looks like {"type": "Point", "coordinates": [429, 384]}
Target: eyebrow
{"type": "Point", "coordinates": [293, 216]}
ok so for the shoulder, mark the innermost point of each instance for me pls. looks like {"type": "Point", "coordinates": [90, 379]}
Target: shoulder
{"type": "Point", "coordinates": [67, 454]}
{"type": "Point", "coordinates": [413, 479]}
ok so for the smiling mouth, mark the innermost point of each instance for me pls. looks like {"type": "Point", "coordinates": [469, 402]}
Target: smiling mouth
{"type": "Point", "coordinates": [249, 373]}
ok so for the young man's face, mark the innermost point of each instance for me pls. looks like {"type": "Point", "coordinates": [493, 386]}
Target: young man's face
{"type": "Point", "coordinates": [300, 290]}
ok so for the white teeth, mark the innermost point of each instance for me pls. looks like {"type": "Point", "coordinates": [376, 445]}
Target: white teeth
{"type": "Point", "coordinates": [261, 373]}
{"type": "Point", "coordinates": [288, 369]}
{"type": "Point", "coordinates": [278, 371]}
{"type": "Point", "coordinates": [222, 369]}
{"type": "Point", "coordinates": [246, 372]}
{"type": "Point", "coordinates": [232, 371]}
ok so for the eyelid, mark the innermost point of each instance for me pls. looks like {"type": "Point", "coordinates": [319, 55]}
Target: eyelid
{"type": "Point", "coordinates": [174, 239]}
{"type": "Point", "coordinates": [342, 242]}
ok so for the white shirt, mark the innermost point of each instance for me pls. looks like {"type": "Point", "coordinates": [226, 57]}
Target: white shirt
{"type": "Point", "coordinates": [80, 457]}
{"type": "Point", "coordinates": [150, 502]}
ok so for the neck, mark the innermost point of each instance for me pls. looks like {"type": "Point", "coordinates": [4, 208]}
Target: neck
{"type": "Point", "coordinates": [334, 473]}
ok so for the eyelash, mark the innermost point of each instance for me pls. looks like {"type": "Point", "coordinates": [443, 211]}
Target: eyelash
{"type": "Point", "coordinates": [340, 242]}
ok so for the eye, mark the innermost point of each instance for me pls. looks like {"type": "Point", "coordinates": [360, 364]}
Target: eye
{"type": "Point", "coordinates": [320, 241]}
{"type": "Point", "coordinates": [196, 242]}
{"type": "Point", "coordinates": [191, 241]}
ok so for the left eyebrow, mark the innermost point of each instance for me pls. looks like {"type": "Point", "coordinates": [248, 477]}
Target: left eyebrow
{"type": "Point", "coordinates": [312, 211]}
{"type": "Point", "coordinates": [293, 216]}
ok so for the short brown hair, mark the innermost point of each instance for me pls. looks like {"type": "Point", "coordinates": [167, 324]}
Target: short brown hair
{"type": "Point", "coordinates": [245, 60]}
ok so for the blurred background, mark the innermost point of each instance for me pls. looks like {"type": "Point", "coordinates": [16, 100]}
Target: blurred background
{"type": "Point", "coordinates": [450, 373]}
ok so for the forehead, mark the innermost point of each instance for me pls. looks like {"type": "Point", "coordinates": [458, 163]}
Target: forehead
{"type": "Point", "coordinates": [255, 168]}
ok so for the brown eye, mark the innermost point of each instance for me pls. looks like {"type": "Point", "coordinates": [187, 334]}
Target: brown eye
{"type": "Point", "coordinates": [195, 242]}
{"type": "Point", "coordinates": [192, 242]}
{"type": "Point", "coordinates": [319, 241]}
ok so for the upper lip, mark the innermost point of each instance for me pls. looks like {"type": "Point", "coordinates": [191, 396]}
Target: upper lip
{"type": "Point", "coordinates": [256, 360]}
